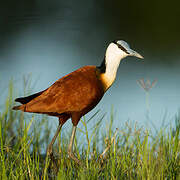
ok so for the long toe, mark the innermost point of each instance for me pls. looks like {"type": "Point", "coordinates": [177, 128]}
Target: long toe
{"type": "Point", "coordinates": [73, 157]}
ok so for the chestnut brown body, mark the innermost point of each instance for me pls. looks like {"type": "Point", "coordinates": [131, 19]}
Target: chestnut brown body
{"type": "Point", "coordinates": [73, 96]}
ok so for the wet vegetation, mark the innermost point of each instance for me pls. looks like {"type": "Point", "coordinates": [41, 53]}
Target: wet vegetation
{"type": "Point", "coordinates": [130, 152]}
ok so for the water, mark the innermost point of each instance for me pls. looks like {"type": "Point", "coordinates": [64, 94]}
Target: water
{"type": "Point", "coordinates": [50, 40]}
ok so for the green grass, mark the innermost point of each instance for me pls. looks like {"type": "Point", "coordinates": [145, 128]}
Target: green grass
{"type": "Point", "coordinates": [131, 152]}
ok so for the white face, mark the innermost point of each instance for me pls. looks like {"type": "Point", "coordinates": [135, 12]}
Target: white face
{"type": "Point", "coordinates": [114, 53]}
{"type": "Point", "coordinates": [119, 50]}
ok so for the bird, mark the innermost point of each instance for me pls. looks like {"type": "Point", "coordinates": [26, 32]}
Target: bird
{"type": "Point", "coordinates": [78, 92]}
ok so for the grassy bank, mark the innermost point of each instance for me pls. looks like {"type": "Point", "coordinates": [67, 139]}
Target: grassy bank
{"type": "Point", "coordinates": [131, 152]}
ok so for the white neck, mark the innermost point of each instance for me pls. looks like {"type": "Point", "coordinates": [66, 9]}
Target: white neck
{"type": "Point", "coordinates": [112, 59]}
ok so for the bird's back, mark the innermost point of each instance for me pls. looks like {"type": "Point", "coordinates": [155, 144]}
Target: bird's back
{"type": "Point", "coordinates": [78, 91]}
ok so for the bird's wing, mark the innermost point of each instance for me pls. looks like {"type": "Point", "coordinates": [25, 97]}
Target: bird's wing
{"type": "Point", "coordinates": [75, 92]}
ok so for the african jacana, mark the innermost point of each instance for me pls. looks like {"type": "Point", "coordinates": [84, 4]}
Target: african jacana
{"type": "Point", "coordinates": [77, 93]}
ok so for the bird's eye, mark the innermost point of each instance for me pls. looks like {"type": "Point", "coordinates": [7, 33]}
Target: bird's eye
{"type": "Point", "coordinates": [122, 48]}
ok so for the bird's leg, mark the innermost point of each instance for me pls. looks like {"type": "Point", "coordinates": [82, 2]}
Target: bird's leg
{"type": "Point", "coordinates": [49, 149]}
{"type": "Point", "coordinates": [70, 148]}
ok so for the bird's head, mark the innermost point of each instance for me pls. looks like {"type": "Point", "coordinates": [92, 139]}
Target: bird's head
{"type": "Point", "coordinates": [120, 49]}
{"type": "Point", "coordinates": [116, 51]}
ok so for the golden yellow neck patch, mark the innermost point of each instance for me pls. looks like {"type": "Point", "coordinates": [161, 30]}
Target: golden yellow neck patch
{"type": "Point", "coordinates": [105, 81]}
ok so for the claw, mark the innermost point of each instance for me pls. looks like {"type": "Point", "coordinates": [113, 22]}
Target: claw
{"type": "Point", "coordinates": [73, 157]}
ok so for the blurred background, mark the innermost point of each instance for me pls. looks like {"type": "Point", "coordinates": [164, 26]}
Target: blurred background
{"type": "Point", "coordinates": [49, 39]}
